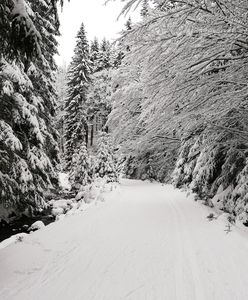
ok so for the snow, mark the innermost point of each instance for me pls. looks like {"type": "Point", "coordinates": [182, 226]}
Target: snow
{"type": "Point", "coordinates": [146, 241]}
{"type": "Point", "coordinates": [61, 206]}
{"type": "Point", "coordinates": [36, 226]}
{"type": "Point", "coordinates": [13, 239]}
{"type": "Point", "coordinates": [8, 137]}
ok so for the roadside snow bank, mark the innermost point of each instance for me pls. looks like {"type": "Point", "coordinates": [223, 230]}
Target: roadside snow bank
{"type": "Point", "coordinates": [88, 196]}
{"type": "Point", "coordinates": [13, 239]}
{"type": "Point", "coordinates": [36, 226]}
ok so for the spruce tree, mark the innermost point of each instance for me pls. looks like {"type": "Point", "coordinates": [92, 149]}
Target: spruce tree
{"type": "Point", "coordinates": [104, 61]}
{"type": "Point", "coordinates": [19, 36]}
{"type": "Point", "coordinates": [106, 164]}
{"type": "Point", "coordinates": [76, 124]}
{"type": "Point", "coordinates": [104, 58]}
{"type": "Point", "coordinates": [28, 148]}
{"type": "Point", "coordinates": [95, 54]}
{"type": "Point", "coordinates": [80, 173]}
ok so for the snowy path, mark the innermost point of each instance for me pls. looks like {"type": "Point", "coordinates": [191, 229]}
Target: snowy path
{"type": "Point", "coordinates": [150, 242]}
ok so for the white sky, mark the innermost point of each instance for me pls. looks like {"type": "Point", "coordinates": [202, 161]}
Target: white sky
{"type": "Point", "coordinates": [99, 20]}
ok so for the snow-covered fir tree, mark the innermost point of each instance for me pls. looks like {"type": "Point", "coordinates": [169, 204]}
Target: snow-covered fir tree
{"type": "Point", "coordinates": [20, 36]}
{"type": "Point", "coordinates": [105, 160]}
{"type": "Point", "coordinates": [80, 174]}
{"type": "Point", "coordinates": [99, 103]}
{"type": "Point", "coordinates": [76, 124]}
{"type": "Point", "coordinates": [28, 146]}
{"type": "Point", "coordinates": [104, 61]}
{"type": "Point", "coordinates": [95, 54]}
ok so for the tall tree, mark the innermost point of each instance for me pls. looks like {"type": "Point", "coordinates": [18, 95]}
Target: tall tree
{"type": "Point", "coordinates": [95, 54]}
{"type": "Point", "coordinates": [104, 61]}
{"type": "Point", "coordinates": [106, 164]}
{"type": "Point", "coordinates": [28, 146]}
{"type": "Point", "coordinates": [19, 34]}
{"type": "Point", "coordinates": [76, 125]}
{"type": "Point", "coordinates": [80, 172]}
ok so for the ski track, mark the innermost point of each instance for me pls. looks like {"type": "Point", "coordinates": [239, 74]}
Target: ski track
{"type": "Point", "coordinates": [149, 242]}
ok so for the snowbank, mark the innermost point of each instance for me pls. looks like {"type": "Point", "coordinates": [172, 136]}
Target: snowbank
{"type": "Point", "coordinates": [13, 239]}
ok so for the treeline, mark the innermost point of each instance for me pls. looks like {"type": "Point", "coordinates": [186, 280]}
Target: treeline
{"type": "Point", "coordinates": [33, 117]}
{"type": "Point", "coordinates": [84, 106]}
{"type": "Point", "coordinates": [180, 108]}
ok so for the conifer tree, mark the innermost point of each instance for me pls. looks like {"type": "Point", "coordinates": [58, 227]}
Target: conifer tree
{"type": "Point", "coordinates": [80, 173]}
{"type": "Point", "coordinates": [104, 58]}
{"type": "Point", "coordinates": [28, 147]}
{"type": "Point", "coordinates": [104, 55]}
{"type": "Point", "coordinates": [76, 125]}
{"type": "Point", "coordinates": [106, 164]}
{"type": "Point", "coordinates": [95, 54]}
{"type": "Point", "coordinates": [74, 163]}
{"type": "Point", "coordinates": [19, 36]}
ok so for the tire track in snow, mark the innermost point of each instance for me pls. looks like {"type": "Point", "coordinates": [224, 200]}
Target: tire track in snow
{"type": "Point", "coordinates": [150, 243]}
{"type": "Point", "coordinates": [188, 254]}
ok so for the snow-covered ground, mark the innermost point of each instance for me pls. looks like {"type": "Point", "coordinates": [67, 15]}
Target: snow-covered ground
{"type": "Point", "coordinates": [147, 241]}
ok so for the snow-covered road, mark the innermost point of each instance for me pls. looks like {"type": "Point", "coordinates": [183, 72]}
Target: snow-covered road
{"type": "Point", "coordinates": [149, 242]}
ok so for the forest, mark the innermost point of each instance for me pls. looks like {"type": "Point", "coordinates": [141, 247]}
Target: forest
{"type": "Point", "coordinates": [166, 102]}
{"type": "Point", "coordinates": [124, 173]}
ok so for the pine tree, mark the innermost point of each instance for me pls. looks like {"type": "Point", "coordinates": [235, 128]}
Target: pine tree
{"type": "Point", "coordinates": [99, 104]}
{"type": "Point", "coordinates": [20, 38]}
{"type": "Point", "coordinates": [104, 58]}
{"type": "Point", "coordinates": [74, 165]}
{"type": "Point", "coordinates": [95, 54]}
{"type": "Point", "coordinates": [76, 125]}
{"type": "Point", "coordinates": [44, 77]}
{"type": "Point", "coordinates": [104, 61]}
{"type": "Point", "coordinates": [28, 147]}
{"type": "Point", "coordinates": [106, 164]}
{"type": "Point", "coordinates": [80, 174]}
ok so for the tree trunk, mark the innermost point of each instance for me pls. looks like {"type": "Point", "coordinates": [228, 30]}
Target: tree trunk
{"type": "Point", "coordinates": [86, 134]}
{"type": "Point", "coordinates": [92, 134]}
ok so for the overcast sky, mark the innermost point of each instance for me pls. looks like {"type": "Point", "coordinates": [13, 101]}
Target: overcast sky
{"type": "Point", "coordinates": [100, 20]}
